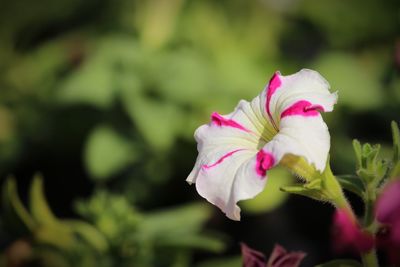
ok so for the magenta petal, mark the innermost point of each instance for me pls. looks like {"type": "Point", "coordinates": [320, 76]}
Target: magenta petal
{"type": "Point", "coordinates": [251, 257]}
{"type": "Point", "coordinates": [281, 258]}
{"type": "Point", "coordinates": [388, 205]}
{"type": "Point", "coordinates": [387, 211]}
{"type": "Point", "coordinates": [348, 235]}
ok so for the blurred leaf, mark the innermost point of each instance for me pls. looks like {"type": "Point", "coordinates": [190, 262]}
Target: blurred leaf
{"type": "Point", "coordinates": [358, 151]}
{"type": "Point", "coordinates": [36, 72]}
{"type": "Point", "coordinates": [111, 214]}
{"type": "Point", "coordinates": [107, 152]}
{"type": "Point", "coordinates": [39, 208]}
{"type": "Point", "coordinates": [352, 183]}
{"type": "Point", "coordinates": [57, 235]}
{"type": "Point", "coordinates": [341, 263]}
{"type": "Point", "coordinates": [204, 242]}
{"type": "Point", "coordinates": [50, 257]}
{"type": "Point", "coordinates": [157, 121]}
{"type": "Point", "coordinates": [349, 22]}
{"type": "Point", "coordinates": [358, 87]}
{"type": "Point", "coordinates": [188, 79]}
{"type": "Point", "coordinates": [227, 262]}
{"type": "Point", "coordinates": [175, 222]}
{"type": "Point", "coordinates": [272, 197]}
{"type": "Point", "coordinates": [91, 84]}
{"type": "Point", "coordinates": [89, 234]}
{"type": "Point", "coordinates": [156, 21]}
{"type": "Point", "coordinates": [15, 214]}
{"type": "Point", "coordinates": [396, 142]}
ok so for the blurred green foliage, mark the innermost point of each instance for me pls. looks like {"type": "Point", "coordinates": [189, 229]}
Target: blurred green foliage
{"type": "Point", "coordinates": [122, 85]}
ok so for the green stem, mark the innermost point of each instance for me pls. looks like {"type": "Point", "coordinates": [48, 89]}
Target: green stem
{"type": "Point", "coordinates": [335, 193]}
{"type": "Point", "coordinates": [369, 259]}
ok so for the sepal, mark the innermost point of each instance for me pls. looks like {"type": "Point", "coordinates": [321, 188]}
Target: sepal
{"type": "Point", "coordinates": [370, 168]}
{"type": "Point", "coordinates": [312, 190]}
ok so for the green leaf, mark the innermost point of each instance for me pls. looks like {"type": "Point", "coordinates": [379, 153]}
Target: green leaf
{"type": "Point", "coordinates": [352, 183]}
{"type": "Point", "coordinates": [226, 262]}
{"type": "Point", "coordinates": [395, 171]}
{"type": "Point", "coordinates": [396, 142]}
{"type": "Point", "coordinates": [203, 242]}
{"type": "Point", "coordinates": [358, 152]}
{"type": "Point", "coordinates": [15, 215]}
{"type": "Point", "coordinates": [312, 190]}
{"type": "Point", "coordinates": [107, 152]}
{"type": "Point", "coordinates": [341, 263]}
{"type": "Point", "coordinates": [39, 208]}
{"type": "Point", "coordinates": [157, 121]}
{"type": "Point", "coordinates": [89, 234]}
{"type": "Point", "coordinates": [57, 235]}
{"type": "Point", "coordinates": [359, 86]}
{"type": "Point", "coordinates": [175, 221]}
{"type": "Point", "coordinates": [92, 84]}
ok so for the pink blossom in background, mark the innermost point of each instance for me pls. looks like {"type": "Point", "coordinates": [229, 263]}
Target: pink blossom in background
{"type": "Point", "coordinates": [278, 258]}
{"type": "Point", "coordinates": [348, 235]}
{"type": "Point", "coordinates": [387, 212]}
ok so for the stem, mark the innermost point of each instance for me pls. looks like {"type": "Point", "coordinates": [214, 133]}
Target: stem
{"type": "Point", "coordinates": [336, 194]}
{"type": "Point", "coordinates": [369, 259]}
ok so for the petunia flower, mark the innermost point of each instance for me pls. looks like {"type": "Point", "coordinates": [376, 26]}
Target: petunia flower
{"type": "Point", "coordinates": [278, 258]}
{"type": "Point", "coordinates": [348, 235]}
{"type": "Point", "coordinates": [387, 212]}
{"type": "Point", "coordinates": [236, 150]}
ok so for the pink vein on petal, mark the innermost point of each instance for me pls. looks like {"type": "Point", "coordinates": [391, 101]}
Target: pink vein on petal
{"type": "Point", "coordinates": [302, 108]}
{"type": "Point", "coordinates": [273, 85]}
{"type": "Point", "coordinates": [220, 160]}
{"type": "Point", "coordinates": [264, 162]}
{"type": "Point", "coordinates": [221, 121]}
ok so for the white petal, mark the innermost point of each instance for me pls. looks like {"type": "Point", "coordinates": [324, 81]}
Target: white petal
{"type": "Point", "coordinates": [232, 180]}
{"type": "Point", "coordinates": [240, 129]}
{"type": "Point", "coordinates": [307, 137]}
{"type": "Point", "coordinates": [226, 167]}
{"type": "Point", "coordinates": [305, 85]}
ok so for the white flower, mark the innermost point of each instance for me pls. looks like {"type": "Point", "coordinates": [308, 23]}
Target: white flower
{"type": "Point", "coordinates": [236, 150]}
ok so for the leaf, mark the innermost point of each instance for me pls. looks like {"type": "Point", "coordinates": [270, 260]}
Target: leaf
{"type": "Point", "coordinates": [358, 84]}
{"type": "Point", "coordinates": [175, 221]}
{"type": "Point", "coordinates": [156, 120]}
{"type": "Point", "coordinates": [204, 242]}
{"type": "Point", "coordinates": [352, 183]}
{"type": "Point", "coordinates": [396, 142]}
{"type": "Point", "coordinates": [39, 208]}
{"type": "Point", "coordinates": [178, 227]}
{"type": "Point", "coordinates": [313, 191]}
{"type": "Point", "coordinates": [225, 262]}
{"type": "Point", "coordinates": [14, 213]}
{"type": "Point", "coordinates": [107, 152]}
{"type": "Point", "coordinates": [92, 84]}
{"type": "Point", "coordinates": [341, 263]}
{"type": "Point", "coordinates": [358, 152]}
{"type": "Point", "coordinates": [57, 235]}
{"type": "Point", "coordinates": [89, 234]}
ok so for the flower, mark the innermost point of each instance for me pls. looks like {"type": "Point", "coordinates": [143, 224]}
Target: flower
{"type": "Point", "coordinates": [237, 150]}
{"type": "Point", "coordinates": [278, 258]}
{"type": "Point", "coordinates": [348, 235]}
{"type": "Point", "coordinates": [387, 211]}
